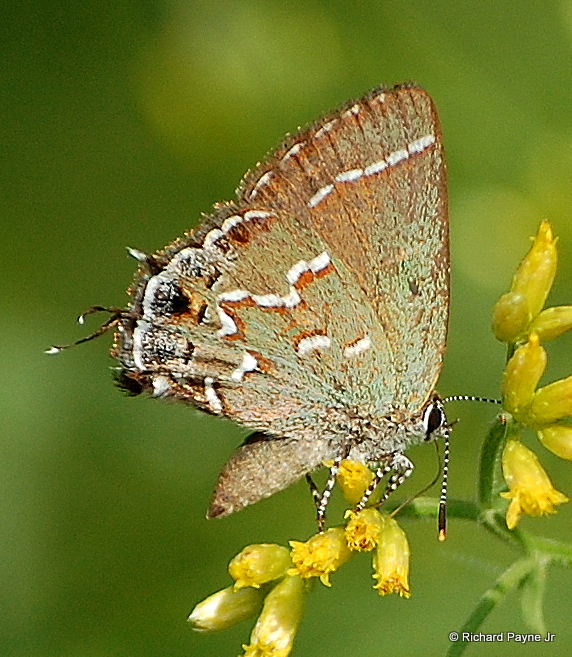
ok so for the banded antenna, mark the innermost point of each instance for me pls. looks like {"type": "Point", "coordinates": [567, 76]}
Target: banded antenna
{"type": "Point", "coordinates": [442, 521]}
{"type": "Point", "coordinates": [487, 400]}
{"type": "Point", "coordinates": [115, 314]}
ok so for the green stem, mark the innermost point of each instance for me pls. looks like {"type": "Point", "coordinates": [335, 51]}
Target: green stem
{"type": "Point", "coordinates": [548, 549]}
{"type": "Point", "coordinates": [428, 507]}
{"type": "Point", "coordinates": [495, 522]}
{"type": "Point", "coordinates": [507, 582]}
{"type": "Point", "coordinates": [532, 596]}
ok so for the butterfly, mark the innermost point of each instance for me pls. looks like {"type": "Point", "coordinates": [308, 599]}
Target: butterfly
{"type": "Point", "coordinates": [313, 308]}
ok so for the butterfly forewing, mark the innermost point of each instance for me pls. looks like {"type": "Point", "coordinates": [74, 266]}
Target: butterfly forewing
{"type": "Point", "coordinates": [370, 181]}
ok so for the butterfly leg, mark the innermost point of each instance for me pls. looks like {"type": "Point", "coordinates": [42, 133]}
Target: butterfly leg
{"type": "Point", "coordinates": [379, 475]}
{"type": "Point", "coordinates": [401, 467]}
{"type": "Point", "coordinates": [325, 496]}
{"type": "Point", "coordinates": [316, 496]}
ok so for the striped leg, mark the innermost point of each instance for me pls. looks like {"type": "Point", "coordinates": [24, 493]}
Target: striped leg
{"type": "Point", "coordinates": [401, 467]}
{"type": "Point", "coordinates": [313, 490]}
{"type": "Point", "coordinates": [325, 496]}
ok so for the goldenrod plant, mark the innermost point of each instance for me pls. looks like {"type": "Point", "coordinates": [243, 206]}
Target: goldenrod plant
{"type": "Point", "coordinates": [271, 580]}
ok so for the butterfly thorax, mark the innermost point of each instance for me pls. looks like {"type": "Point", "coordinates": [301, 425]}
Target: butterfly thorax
{"type": "Point", "coordinates": [374, 439]}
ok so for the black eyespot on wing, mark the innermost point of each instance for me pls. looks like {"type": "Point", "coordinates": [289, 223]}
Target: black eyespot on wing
{"type": "Point", "coordinates": [180, 303]}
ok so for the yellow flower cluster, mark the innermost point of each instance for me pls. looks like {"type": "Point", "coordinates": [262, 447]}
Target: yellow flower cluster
{"type": "Point", "coordinates": [270, 580]}
{"type": "Point", "coordinates": [520, 321]}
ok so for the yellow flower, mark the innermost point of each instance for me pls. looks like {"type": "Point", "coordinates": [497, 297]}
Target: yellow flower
{"type": "Point", "coordinates": [320, 555]}
{"type": "Point", "coordinates": [353, 479]}
{"type": "Point", "coordinates": [226, 608]}
{"type": "Point", "coordinates": [258, 564]}
{"type": "Point", "coordinates": [364, 529]}
{"type": "Point", "coordinates": [276, 627]}
{"type": "Point", "coordinates": [391, 560]}
{"type": "Point", "coordinates": [557, 438]}
{"type": "Point", "coordinates": [521, 376]}
{"type": "Point", "coordinates": [530, 489]}
{"type": "Point", "coordinates": [531, 284]}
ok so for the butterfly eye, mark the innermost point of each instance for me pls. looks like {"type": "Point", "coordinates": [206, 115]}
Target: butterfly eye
{"type": "Point", "coordinates": [168, 298]}
{"type": "Point", "coordinates": [433, 419]}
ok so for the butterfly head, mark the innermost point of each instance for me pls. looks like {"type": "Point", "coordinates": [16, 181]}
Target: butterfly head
{"type": "Point", "coordinates": [434, 421]}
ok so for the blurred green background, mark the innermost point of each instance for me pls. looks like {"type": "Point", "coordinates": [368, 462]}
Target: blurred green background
{"type": "Point", "coordinates": [120, 123]}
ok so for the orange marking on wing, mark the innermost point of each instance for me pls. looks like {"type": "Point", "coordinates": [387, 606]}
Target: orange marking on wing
{"type": "Point", "coordinates": [305, 279]}
{"type": "Point", "coordinates": [240, 324]}
{"type": "Point", "coordinates": [309, 276]}
{"type": "Point", "coordinates": [239, 233]}
{"type": "Point", "coordinates": [281, 310]}
{"type": "Point", "coordinates": [265, 365]}
{"type": "Point", "coordinates": [245, 302]}
{"type": "Point", "coordinates": [325, 271]}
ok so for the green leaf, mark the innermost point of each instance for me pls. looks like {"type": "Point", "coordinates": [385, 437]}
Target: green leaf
{"type": "Point", "coordinates": [489, 466]}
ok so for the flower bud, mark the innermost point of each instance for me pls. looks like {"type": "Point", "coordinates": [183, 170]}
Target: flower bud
{"type": "Point", "coordinates": [552, 322]}
{"type": "Point", "coordinates": [535, 273]}
{"type": "Point", "coordinates": [521, 376]}
{"type": "Point", "coordinates": [558, 439]}
{"type": "Point", "coordinates": [553, 402]}
{"type": "Point", "coordinates": [511, 317]}
{"type": "Point", "coordinates": [226, 608]}
{"type": "Point", "coordinates": [258, 564]}
{"type": "Point", "coordinates": [391, 560]}
{"type": "Point", "coordinates": [276, 627]}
